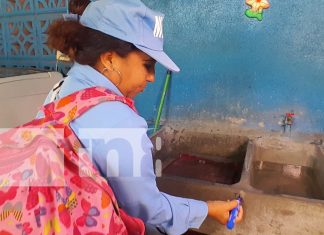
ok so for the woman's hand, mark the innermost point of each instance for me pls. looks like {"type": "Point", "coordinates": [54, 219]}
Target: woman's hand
{"type": "Point", "coordinates": [220, 210]}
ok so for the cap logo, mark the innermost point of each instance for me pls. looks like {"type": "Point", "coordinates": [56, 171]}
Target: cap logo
{"type": "Point", "coordinates": [158, 28]}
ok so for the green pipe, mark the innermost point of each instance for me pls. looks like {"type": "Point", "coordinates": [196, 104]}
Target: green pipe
{"type": "Point", "coordinates": [165, 88]}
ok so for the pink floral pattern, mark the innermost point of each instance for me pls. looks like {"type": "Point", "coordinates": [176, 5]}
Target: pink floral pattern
{"type": "Point", "coordinates": [41, 188]}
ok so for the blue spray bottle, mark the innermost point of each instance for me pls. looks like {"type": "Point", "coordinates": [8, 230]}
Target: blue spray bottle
{"type": "Point", "coordinates": [233, 214]}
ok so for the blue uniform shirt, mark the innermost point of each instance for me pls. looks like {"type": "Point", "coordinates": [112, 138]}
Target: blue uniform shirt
{"type": "Point", "coordinates": [138, 195]}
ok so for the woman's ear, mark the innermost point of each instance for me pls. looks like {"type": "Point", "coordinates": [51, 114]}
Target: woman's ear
{"type": "Point", "coordinates": [106, 59]}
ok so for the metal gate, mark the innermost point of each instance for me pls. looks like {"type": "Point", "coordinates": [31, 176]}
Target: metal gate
{"type": "Point", "coordinates": [23, 24]}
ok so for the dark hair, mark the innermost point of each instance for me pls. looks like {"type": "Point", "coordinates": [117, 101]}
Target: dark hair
{"type": "Point", "coordinates": [78, 6]}
{"type": "Point", "coordinates": [82, 44]}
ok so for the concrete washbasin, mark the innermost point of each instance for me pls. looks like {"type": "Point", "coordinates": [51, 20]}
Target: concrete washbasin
{"type": "Point", "coordinates": [204, 157]}
{"type": "Point", "coordinates": [285, 167]}
{"type": "Point", "coordinates": [193, 163]}
{"type": "Point", "coordinates": [283, 180]}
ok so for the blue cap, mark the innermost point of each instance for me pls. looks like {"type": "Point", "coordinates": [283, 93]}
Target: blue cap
{"type": "Point", "coordinates": [131, 21]}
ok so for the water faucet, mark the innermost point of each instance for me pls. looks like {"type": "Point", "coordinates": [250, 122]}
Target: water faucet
{"type": "Point", "coordinates": [288, 120]}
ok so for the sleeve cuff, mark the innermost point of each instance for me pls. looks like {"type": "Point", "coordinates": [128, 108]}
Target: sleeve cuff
{"type": "Point", "coordinates": [198, 213]}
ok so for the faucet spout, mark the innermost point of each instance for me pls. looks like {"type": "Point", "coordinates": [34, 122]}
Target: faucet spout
{"type": "Point", "coordinates": [288, 121]}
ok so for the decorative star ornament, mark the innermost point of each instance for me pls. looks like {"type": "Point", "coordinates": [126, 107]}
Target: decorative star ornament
{"type": "Point", "coordinates": [257, 7]}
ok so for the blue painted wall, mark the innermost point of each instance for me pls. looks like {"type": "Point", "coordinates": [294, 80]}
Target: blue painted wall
{"type": "Point", "coordinates": [236, 67]}
{"type": "Point", "coordinates": [232, 66]}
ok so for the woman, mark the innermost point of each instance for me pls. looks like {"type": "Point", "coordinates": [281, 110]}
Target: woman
{"type": "Point", "coordinates": [116, 45]}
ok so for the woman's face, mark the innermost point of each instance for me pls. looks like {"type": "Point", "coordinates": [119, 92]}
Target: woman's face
{"type": "Point", "coordinates": [136, 70]}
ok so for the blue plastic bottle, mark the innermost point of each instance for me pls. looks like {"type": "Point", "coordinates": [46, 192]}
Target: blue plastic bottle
{"type": "Point", "coordinates": [231, 221]}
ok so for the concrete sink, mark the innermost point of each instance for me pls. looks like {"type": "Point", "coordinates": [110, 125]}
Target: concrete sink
{"type": "Point", "coordinates": [282, 180]}
{"type": "Point", "coordinates": [203, 157]}
{"type": "Point", "coordinates": [283, 167]}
